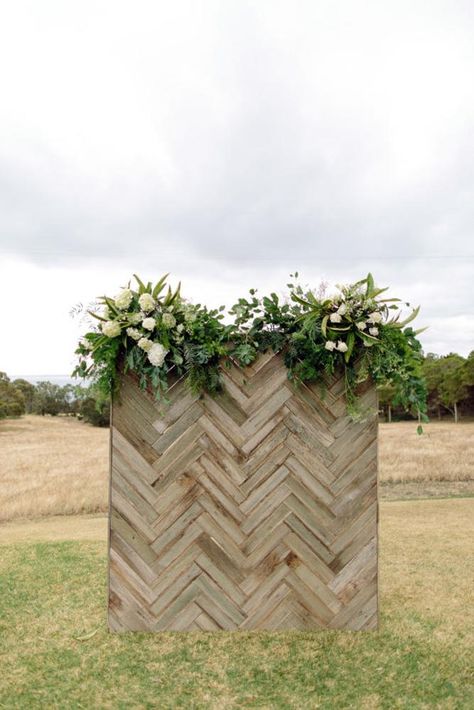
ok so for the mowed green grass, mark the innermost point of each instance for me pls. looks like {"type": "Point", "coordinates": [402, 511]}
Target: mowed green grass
{"type": "Point", "coordinates": [54, 593]}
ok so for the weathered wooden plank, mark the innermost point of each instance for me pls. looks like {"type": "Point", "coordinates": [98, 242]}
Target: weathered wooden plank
{"type": "Point", "coordinates": [256, 509]}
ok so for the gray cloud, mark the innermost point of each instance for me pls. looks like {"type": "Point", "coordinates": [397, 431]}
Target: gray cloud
{"type": "Point", "coordinates": [243, 136]}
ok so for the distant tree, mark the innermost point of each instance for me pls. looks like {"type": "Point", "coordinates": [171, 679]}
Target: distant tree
{"type": "Point", "coordinates": [77, 394]}
{"type": "Point", "coordinates": [95, 412]}
{"type": "Point", "coordinates": [386, 396]}
{"type": "Point", "coordinates": [453, 387]}
{"type": "Point", "coordinates": [50, 399]}
{"type": "Point", "coordinates": [432, 370]}
{"type": "Point", "coordinates": [12, 401]}
{"type": "Point", "coordinates": [469, 370]}
{"type": "Point", "coordinates": [28, 391]}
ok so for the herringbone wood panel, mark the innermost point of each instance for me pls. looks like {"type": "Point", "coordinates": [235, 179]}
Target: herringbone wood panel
{"type": "Point", "coordinates": [256, 509]}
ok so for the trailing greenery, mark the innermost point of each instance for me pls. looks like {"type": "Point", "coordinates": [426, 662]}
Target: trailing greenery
{"type": "Point", "coordinates": [151, 330]}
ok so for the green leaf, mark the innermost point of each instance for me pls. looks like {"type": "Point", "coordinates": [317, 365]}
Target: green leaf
{"type": "Point", "coordinates": [419, 430]}
{"type": "Point", "coordinates": [370, 285]}
{"type": "Point", "coordinates": [88, 636]}
{"type": "Point", "coordinates": [94, 315]}
{"type": "Point", "coordinates": [366, 336]}
{"type": "Point", "coordinates": [323, 326]}
{"type": "Point", "coordinates": [376, 292]}
{"type": "Point", "coordinates": [300, 300]}
{"type": "Point", "coordinates": [159, 286]}
{"type": "Point", "coordinates": [350, 342]}
{"type": "Point", "coordinates": [111, 305]}
{"type": "Point", "coordinates": [141, 285]}
{"type": "Point", "coordinates": [412, 316]}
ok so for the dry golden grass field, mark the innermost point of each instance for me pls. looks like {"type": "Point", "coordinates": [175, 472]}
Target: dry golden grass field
{"type": "Point", "coordinates": [59, 466]}
{"type": "Point", "coordinates": [52, 465]}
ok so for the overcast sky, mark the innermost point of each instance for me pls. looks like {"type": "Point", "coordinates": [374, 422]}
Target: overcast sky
{"type": "Point", "coordinates": [231, 143]}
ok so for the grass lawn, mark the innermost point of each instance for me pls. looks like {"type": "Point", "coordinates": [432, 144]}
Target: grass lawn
{"type": "Point", "coordinates": [53, 593]}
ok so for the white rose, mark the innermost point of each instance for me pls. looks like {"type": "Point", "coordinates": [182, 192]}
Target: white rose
{"type": "Point", "coordinates": [341, 346]}
{"type": "Point", "coordinates": [373, 331]}
{"type": "Point", "coordinates": [335, 318]}
{"type": "Point", "coordinates": [149, 323]}
{"type": "Point", "coordinates": [124, 299]}
{"type": "Point", "coordinates": [136, 318]}
{"type": "Point", "coordinates": [157, 354]}
{"type": "Point", "coordinates": [330, 345]}
{"type": "Point", "coordinates": [145, 344]}
{"type": "Point", "coordinates": [375, 317]}
{"type": "Point", "coordinates": [362, 325]}
{"type": "Point", "coordinates": [168, 320]}
{"type": "Point", "coordinates": [134, 333]}
{"type": "Point", "coordinates": [147, 302]}
{"type": "Point", "coordinates": [342, 310]}
{"type": "Point", "coordinates": [111, 328]}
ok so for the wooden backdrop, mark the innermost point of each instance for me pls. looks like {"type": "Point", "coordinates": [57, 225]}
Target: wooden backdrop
{"type": "Point", "coordinates": [256, 509]}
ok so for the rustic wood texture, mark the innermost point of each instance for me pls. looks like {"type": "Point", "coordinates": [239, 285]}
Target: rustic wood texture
{"type": "Point", "coordinates": [256, 509]}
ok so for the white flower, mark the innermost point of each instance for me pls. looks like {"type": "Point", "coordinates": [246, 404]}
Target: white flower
{"type": "Point", "coordinates": [157, 354]}
{"type": "Point", "coordinates": [168, 320]}
{"type": "Point", "coordinates": [124, 299]}
{"type": "Point", "coordinates": [180, 328]}
{"type": "Point", "coordinates": [136, 318]}
{"type": "Point", "coordinates": [190, 316]}
{"type": "Point", "coordinates": [342, 310]}
{"type": "Point", "coordinates": [335, 318]}
{"type": "Point", "coordinates": [134, 333]}
{"type": "Point", "coordinates": [375, 317]}
{"type": "Point", "coordinates": [362, 325]}
{"type": "Point", "coordinates": [111, 328]}
{"type": "Point", "coordinates": [147, 302]}
{"type": "Point", "coordinates": [341, 346]}
{"type": "Point", "coordinates": [149, 323]}
{"type": "Point", "coordinates": [145, 344]}
{"type": "Point", "coordinates": [330, 345]}
{"type": "Point", "coordinates": [373, 331]}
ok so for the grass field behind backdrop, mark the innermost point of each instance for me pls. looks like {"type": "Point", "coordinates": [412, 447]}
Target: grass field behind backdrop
{"type": "Point", "coordinates": [58, 465]}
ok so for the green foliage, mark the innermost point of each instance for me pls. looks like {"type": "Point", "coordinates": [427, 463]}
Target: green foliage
{"type": "Point", "coordinates": [50, 398]}
{"type": "Point", "coordinates": [12, 399]}
{"type": "Point", "coordinates": [95, 412]}
{"type": "Point", "coordinates": [155, 333]}
{"type": "Point", "coordinates": [28, 390]}
{"type": "Point", "coordinates": [449, 380]}
{"type": "Point", "coordinates": [453, 385]}
{"type": "Point", "coordinates": [21, 397]}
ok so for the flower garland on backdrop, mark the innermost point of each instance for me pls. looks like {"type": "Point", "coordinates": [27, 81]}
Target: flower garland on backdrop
{"type": "Point", "coordinates": [152, 330]}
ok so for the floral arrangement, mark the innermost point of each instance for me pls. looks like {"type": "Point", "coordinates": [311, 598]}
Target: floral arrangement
{"type": "Point", "coordinates": [152, 330]}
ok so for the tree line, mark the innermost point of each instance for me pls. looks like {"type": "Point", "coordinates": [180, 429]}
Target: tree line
{"type": "Point", "coordinates": [450, 387]}
{"type": "Point", "coordinates": [20, 397]}
{"type": "Point", "coordinates": [449, 382]}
